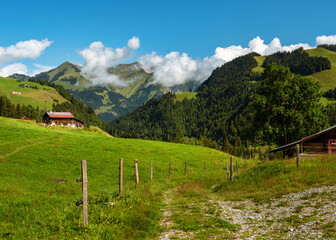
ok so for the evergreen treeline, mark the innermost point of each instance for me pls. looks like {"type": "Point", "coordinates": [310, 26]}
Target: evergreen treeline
{"type": "Point", "coordinates": [331, 108]}
{"type": "Point", "coordinates": [331, 47]}
{"type": "Point", "coordinates": [8, 109]}
{"type": "Point", "coordinates": [331, 93]}
{"type": "Point", "coordinates": [299, 62]}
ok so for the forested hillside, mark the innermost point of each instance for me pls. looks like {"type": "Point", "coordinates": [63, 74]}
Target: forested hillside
{"type": "Point", "coordinates": [218, 115]}
{"type": "Point", "coordinates": [224, 111]}
{"type": "Point", "coordinates": [299, 62]}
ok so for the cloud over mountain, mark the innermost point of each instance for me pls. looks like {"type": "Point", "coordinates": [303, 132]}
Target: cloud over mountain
{"type": "Point", "coordinates": [98, 58]}
{"type": "Point", "coordinates": [175, 68]}
{"type": "Point", "coordinates": [13, 68]}
{"type": "Point", "coordinates": [326, 39]}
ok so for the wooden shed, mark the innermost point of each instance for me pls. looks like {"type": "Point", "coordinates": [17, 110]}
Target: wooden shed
{"type": "Point", "coordinates": [62, 119]}
{"type": "Point", "coordinates": [319, 143]}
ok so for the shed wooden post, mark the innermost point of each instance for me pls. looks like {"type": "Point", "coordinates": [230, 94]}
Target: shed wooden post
{"type": "Point", "coordinates": [121, 182]}
{"type": "Point", "coordinates": [231, 169]}
{"type": "Point", "coordinates": [151, 173]}
{"type": "Point", "coordinates": [136, 172]}
{"type": "Point", "coordinates": [227, 169]}
{"type": "Point", "coordinates": [169, 169]}
{"type": "Point", "coordinates": [85, 193]}
{"type": "Point", "coordinates": [185, 168]}
{"type": "Point", "coordinates": [297, 155]}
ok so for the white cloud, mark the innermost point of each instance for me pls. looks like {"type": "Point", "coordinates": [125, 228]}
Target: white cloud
{"type": "Point", "coordinates": [257, 45]}
{"type": "Point", "coordinates": [326, 39]}
{"type": "Point", "coordinates": [98, 58]}
{"type": "Point", "coordinates": [13, 68]}
{"type": "Point", "coordinates": [134, 43]}
{"type": "Point", "coordinates": [40, 68]}
{"type": "Point", "coordinates": [24, 49]}
{"type": "Point", "coordinates": [175, 68]}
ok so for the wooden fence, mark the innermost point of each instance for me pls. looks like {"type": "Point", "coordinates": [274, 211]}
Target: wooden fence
{"type": "Point", "coordinates": [84, 179]}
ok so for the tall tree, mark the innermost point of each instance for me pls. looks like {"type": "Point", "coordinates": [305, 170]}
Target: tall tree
{"type": "Point", "coordinates": [286, 106]}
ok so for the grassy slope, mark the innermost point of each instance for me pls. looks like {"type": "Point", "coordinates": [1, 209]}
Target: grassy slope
{"type": "Point", "coordinates": [34, 206]}
{"type": "Point", "coordinates": [194, 206]}
{"type": "Point", "coordinates": [326, 78]}
{"type": "Point", "coordinates": [260, 60]}
{"type": "Point", "coordinates": [34, 97]}
{"type": "Point", "coordinates": [275, 178]}
{"type": "Point", "coordinates": [185, 95]}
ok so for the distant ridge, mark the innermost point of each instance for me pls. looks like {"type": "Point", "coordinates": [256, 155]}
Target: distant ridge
{"type": "Point", "coordinates": [110, 102]}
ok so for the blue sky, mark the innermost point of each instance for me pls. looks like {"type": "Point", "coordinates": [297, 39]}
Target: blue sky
{"type": "Point", "coordinates": [194, 27]}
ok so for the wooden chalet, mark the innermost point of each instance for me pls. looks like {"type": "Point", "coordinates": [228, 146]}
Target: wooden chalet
{"type": "Point", "coordinates": [319, 143]}
{"type": "Point", "coordinates": [62, 119]}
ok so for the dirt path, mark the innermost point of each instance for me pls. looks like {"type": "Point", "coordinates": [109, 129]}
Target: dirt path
{"type": "Point", "coordinates": [309, 214]}
{"type": "Point", "coordinates": [167, 222]}
{"type": "Point", "coordinates": [3, 156]}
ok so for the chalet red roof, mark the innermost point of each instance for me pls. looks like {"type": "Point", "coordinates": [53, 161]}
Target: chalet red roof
{"type": "Point", "coordinates": [60, 115]}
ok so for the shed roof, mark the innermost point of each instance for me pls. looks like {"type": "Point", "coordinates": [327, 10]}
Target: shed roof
{"type": "Point", "coordinates": [302, 140]}
{"type": "Point", "coordinates": [60, 115]}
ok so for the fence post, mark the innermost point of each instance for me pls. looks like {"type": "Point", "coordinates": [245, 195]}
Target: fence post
{"type": "Point", "coordinates": [136, 172]}
{"type": "Point", "coordinates": [151, 172]}
{"type": "Point", "coordinates": [84, 185]}
{"type": "Point", "coordinates": [169, 169]}
{"type": "Point", "coordinates": [227, 169]}
{"type": "Point", "coordinates": [231, 169]}
{"type": "Point", "coordinates": [297, 155]}
{"type": "Point", "coordinates": [121, 168]}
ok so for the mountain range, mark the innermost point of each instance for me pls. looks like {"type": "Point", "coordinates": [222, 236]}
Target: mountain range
{"type": "Point", "coordinates": [109, 101]}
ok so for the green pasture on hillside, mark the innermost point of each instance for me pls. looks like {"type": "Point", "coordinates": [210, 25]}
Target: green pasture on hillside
{"type": "Point", "coordinates": [260, 60]}
{"type": "Point", "coordinates": [44, 96]}
{"type": "Point", "coordinates": [39, 167]}
{"type": "Point", "coordinates": [38, 191]}
{"type": "Point", "coordinates": [185, 95]}
{"type": "Point", "coordinates": [326, 78]}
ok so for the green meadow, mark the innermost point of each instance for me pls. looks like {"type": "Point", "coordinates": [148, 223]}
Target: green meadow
{"type": "Point", "coordinates": [44, 96]}
{"type": "Point", "coordinates": [327, 77]}
{"type": "Point", "coordinates": [185, 95]}
{"type": "Point", "coordinates": [38, 191]}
